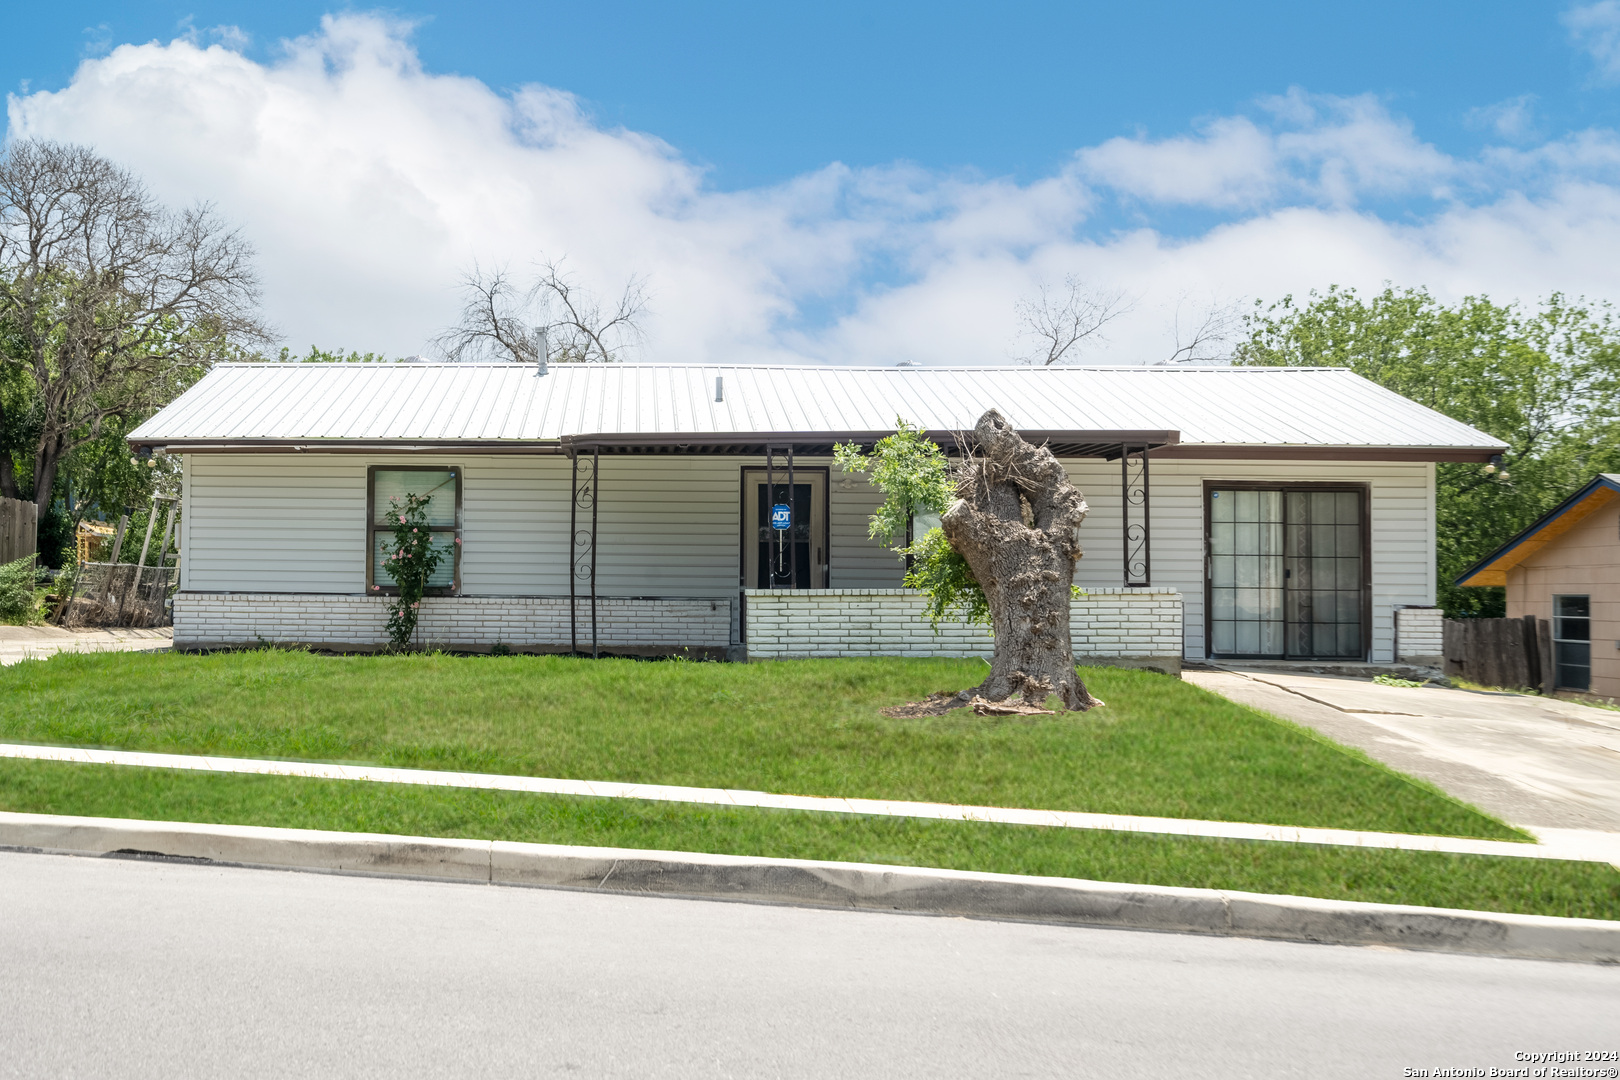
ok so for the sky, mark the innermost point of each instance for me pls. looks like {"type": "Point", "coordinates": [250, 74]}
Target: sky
{"type": "Point", "coordinates": [855, 183]}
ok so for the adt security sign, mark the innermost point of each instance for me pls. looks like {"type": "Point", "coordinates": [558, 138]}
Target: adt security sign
{"type": "Point", "coordinates": [781, 517]}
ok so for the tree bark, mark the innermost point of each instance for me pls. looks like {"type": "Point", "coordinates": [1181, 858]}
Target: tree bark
{"type": "Point", "coordinates": [1016, 522]}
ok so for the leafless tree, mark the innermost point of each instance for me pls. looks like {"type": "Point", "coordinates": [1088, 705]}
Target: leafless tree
{"type": "Point", "coordinates": [1206, 337]}
{"type": "Point", "coordinates": [1058, 320]}
{"type": "Point", "coordinates": [109, 302]}
{"type": "Point", "coordinates": [553, 319]}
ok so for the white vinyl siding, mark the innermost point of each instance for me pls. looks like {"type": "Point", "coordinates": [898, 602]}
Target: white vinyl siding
{"type": "Point", "coordinates": [669, 526]}
{"type": "Point", "coordinates": [1401, 504]}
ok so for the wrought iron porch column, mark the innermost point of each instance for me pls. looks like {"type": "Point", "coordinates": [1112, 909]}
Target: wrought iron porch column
{"type": "Point", "coordinates": [1136, 535]}
{"type": "Point", "coordinates": [582, 547]}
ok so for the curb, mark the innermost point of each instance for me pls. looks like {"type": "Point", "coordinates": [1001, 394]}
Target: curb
{"type": "Point", "coordinates": [849, 886]}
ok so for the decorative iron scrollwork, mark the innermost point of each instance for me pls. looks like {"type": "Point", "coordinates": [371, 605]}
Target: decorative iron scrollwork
{"type": "Point", "coordinates": [1136, 527]}
{"type": "Point", "coordinates": [582, 555]}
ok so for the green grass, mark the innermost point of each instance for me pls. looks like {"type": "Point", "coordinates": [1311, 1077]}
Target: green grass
{"type": "Point", "coordinates": [1461, 881]}
{"type": "Point", "coordinates": [1161, 747]}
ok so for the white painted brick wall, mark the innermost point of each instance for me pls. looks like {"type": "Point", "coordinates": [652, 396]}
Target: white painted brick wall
{"type": "Point", "coordinates": [1419, 635]}
{"type": "Point", "coordinates": [1126, 624]}
{"type": "Point", "coordinates": [455, 622]}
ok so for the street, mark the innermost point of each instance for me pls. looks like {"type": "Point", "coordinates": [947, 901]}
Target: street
{"type": "Point", "coordinates": [126, 967]}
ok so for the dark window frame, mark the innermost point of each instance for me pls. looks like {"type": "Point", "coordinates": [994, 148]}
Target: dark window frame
{"type": "Point", "coordinates": [373, 586]}
{"type": "Point", "coordinates": [1558, 639]}
{"type": "Point", "coordinates": [1363, 489]}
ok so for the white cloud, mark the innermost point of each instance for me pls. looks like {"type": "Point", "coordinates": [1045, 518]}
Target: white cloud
{"type": "Point", "coordinates": [1513, 119]}
{"type": "Point", "coordinates": [1596, 28]}
{"type": "Point", "coordinates": [368, 183]}
{"type": "Point", "coordinates": [1317, 148]}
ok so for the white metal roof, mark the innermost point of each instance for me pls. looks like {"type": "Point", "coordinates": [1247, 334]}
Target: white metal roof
{"type": "Point", "coordinates": [507, 405]}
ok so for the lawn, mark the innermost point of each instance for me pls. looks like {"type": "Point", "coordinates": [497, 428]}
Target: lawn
{"type": "Point", "coordinates": [1160, 747]}
{"type": "Point", "coordinates": [1522, 885]}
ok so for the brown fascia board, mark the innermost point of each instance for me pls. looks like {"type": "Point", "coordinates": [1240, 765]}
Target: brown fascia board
{"type": "Point", "coordinates": [344, 446]}
{"type": "Point", "coordinates": [570, 444]}
{"type": "Point", "coordinates": [1163, 444]}
{"type": "Point", "coordinates": [1230, 452]}
{"type": "Point", "coordinates": [785, 438]}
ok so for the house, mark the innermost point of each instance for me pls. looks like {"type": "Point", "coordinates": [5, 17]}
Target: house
{"type": "Point", "coordinates": [1235, 512]}
{"type": "Point", "coordinates": [1565, 569]}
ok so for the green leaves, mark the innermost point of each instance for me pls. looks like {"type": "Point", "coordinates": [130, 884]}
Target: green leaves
{"type": "Point", "coordinates": [915, 478]}
{"type": "Point", "coordinates": [1545, 382]}
{"type": "Point", "coordinates": [411, 565]}
{"type": "Point", "coordinates": [910, 470]}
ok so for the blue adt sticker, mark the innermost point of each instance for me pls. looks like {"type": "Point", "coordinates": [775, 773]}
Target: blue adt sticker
{"type": "Point", "coordinates": [781, 516]}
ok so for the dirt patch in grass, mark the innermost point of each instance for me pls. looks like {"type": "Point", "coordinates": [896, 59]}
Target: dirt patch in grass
{"type": "Point", "coordinates": [943, 702]}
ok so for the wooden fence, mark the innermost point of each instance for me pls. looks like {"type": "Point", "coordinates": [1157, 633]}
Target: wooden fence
{"type": "Point", "coordinates": [19, 529]}
{"type": "Point", "coordinates": [1514, 654]}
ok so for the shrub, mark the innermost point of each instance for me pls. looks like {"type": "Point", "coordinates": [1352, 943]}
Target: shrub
{"type": "Point", "coordinates": [17, 581]}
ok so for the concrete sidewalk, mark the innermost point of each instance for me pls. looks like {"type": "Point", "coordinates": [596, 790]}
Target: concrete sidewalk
{"type": "Point", "coordinates": [40, 642]}
{"type": "Point", "coordinates": [1543, 764]}
{"type": "Point", "coordinates": [1570, 845]}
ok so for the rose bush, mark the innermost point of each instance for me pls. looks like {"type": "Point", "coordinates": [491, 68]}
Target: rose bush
{"type": "Point", "coordinates": [411, 565]}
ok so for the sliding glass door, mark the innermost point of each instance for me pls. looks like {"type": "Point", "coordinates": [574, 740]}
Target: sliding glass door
{"type": "Point", "coordinates": [1287, 572]}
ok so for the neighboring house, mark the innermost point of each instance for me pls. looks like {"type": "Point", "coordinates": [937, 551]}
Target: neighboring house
{"type": "Point", "coordinates": [1235, 512]}
{"type": "Point", "coordinates": [1566, 569]}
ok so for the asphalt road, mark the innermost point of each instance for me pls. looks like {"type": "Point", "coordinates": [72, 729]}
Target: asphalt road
{"type": "Point", "coordinates": [117, 967]}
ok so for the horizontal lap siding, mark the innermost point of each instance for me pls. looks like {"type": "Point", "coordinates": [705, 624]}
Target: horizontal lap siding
{"type": "Point", "coordinates": [667, 525]}
{"type": "Point", "coordinates": [275, 523]}
{"type": "Point", "coordinates": [1401, 505]}
{"type": "Point", "coordinates": [858, 561]}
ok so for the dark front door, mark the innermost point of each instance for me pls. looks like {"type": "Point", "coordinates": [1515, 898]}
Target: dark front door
{"type": "Point", "coordinates": [784, 554]}
{"type": "Point", "coordinates": [1287, 573]}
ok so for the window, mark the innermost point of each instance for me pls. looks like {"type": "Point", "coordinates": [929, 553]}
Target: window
{"type": "Point", "coordinates": [443, 485]}
{"type": "Point", "coordinates": [1572, 641]}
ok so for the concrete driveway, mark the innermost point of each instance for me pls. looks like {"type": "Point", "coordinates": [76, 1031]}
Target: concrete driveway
{"type": "Point", "coordinates": [1548, 765]}
{"type": "Point", "coordinates": [38, 642]}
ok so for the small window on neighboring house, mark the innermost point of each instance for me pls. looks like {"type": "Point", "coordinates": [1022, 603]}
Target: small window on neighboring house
{"type": "Point", "coordinates": [1572, 641]}
{"type": "Point", "coordinates": [442, 484]}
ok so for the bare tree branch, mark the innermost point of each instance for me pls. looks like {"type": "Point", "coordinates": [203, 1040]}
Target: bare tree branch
{"type": "Point", "coordinates": [1058, 320]}
{"type": "Point", "coordinates": [110, 302]}
{"type": "Point", "coordinates": [1205, 338]}
{"type": "Point", "coordinates": [554, 319]}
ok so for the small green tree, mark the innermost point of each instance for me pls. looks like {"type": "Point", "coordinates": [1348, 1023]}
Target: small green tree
{"type": "Point", "coordinates": [915, 478]}
{"type": "Point", "coordinates": [411, 565]}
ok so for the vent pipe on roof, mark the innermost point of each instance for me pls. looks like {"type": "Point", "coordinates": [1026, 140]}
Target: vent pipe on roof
{"type": "Point", "coordinates": [719, 388]}
{"type": "Point", "coordinates": [542, 352]}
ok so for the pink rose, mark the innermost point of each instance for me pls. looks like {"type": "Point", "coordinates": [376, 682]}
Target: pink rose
{"type": "Point", "coordinates": [417, 604]}
{"type": "Point", "coordinates": [376, 588]}
{"type": "Point", "coordinates": [458, 539]}
{"type": "Point", "coordinates": [402, 519]}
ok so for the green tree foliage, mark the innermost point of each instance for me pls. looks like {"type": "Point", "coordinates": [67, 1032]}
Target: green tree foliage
{"type": "Point", "coordinates": [318, 355]}
{"type": "Point", "coordinates": [1544, 381]}
{"type": "Point", "coordinates": [915, 478]}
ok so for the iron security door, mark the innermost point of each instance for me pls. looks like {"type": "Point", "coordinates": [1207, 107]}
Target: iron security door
{"type": "Point", "coordinates": [792, 558]}
{"type": "Point", "coordinates": [1287, 572]}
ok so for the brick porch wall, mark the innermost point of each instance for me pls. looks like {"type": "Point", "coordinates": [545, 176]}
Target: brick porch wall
{"type": "Point", "coordinates": [1129, 627]}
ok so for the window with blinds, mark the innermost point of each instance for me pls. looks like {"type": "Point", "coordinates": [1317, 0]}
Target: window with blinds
{"type": "Point", "coordinates": [442, 484]}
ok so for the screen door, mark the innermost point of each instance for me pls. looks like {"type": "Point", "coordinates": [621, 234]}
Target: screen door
{"type": "Point", "coordinates": [1286, 573]}
{"type": "Point", "coordinates": [795, 557]}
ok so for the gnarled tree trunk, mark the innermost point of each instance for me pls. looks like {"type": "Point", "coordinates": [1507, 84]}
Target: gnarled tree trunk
{"type": "Point", "coordinates": [1015, 523]}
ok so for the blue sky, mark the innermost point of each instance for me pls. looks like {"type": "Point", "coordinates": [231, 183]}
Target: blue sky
{"type": "Point", "coordinates": [848, 181]}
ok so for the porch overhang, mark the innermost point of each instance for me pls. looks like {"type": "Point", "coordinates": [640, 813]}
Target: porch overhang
{"type": "Point", "coordinates": [1100, 443]}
